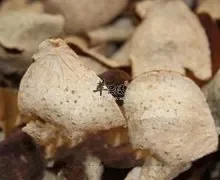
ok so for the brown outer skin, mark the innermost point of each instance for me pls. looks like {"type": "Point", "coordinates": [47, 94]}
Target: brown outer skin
{"type": "Point", "coordinates": [101, 145]}
{"type": "Point", "coordinates": [122, 156]}
{"type": "Point", "coordinates": [72, 164]}
{"type": "Point", "coordinates": [1, 108]}
{"type": "Point", "coordinates": [8, 109]}
{"type": "Point", "coordinates": [20, 158]}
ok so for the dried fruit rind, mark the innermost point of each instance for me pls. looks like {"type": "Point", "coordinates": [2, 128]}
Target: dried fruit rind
{"type": "Point", "coordinates": [20, 35]}
{"type": "Point", "coordinates": [168, 114]}
{"type": "Point", "coordinates": [212, 7]}
{"type": "Point", "coordinates": [172, 33]}
{"type": "Point", "coordinates": [65, 94]}
{"type": "Point", "coordinates": [98, 13]}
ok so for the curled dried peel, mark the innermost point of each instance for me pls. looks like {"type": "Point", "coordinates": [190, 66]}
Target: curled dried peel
{"type": "Point", "coordinates": [122, 55]}
{"type": "Point", "coordinates": [143, 7]}
{"type": "Point", "coordinates": [212, 7]}
{"type": "Point", "coordinates": [211, 92]}
{"type": "Point", "coordinates": [79, 44]}
{"type": "Point", "coordinates": [89, 59]}
{"type": "Point", "coordinates": [121, 30]}
{"type": "Point", "coordinates": [60, 90]}
{"type": "Point", "coordinates": [77, 20]}
{"type": "Point", "coordinates": [20, 35]}
{"type": "Point", "coordinates": [168, 114]}
{"type": "Point", "coordinates": [89, 62]}
{"type": "Point", "coordinates": [24, 5]}
{"type": "Point", "coordinates": [182, 41]}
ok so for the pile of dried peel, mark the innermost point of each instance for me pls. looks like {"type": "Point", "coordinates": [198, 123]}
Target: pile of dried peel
{"type": "Point", "coordinates": [53, 54]}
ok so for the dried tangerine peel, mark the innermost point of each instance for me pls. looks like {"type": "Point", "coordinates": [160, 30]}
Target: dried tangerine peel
{"type": "Point", "coordinates": [182, 43]}
{"type": "Point", "coordinates": [212, 7]}
{"type": "Point", "coordinates": [60, 90]}
{"type": "Point", "coordinates": [20, 35]}
{"type": "Point", "coordinates": [97, 14]}
{"type": "Point", "coordinates": [168, 114]}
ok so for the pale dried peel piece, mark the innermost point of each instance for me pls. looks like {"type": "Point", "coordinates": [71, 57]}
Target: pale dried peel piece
{"type": "Point", "coordinates": [156, 63]}
{"type": "Point", "coordinates": [134, 174]}
{"type": "Point", "coordinates": [142, 7]}
{"type": "Point", "coordinates": [107, 49]}
{"type": "Point", "coordinates": [60, 90]}
{"type": "Point", "coordinates": [211, 92]}
{"type": "Point", "coordinates": [17, 5]}
{"type": "Point", "coordinates": [155, 170]}
{"type": "Point", "coordinates": [212, 7]}
{"type": "Point", "coordinates": [20, 35]}
{"type": "Point", "coordinates": [97, 67]}
{"type": "Point", "coordinates": [120, 31]}
{"type": "Point", "coordinates": [122, 55]}
{"type": "Point", "coordinates": [183, 40]}
{"type": "Point", "coordinates": [83, 15]}
{"type": "Point", "coordinates": [93, 168]}
{"type": "Point", "coordinates": [91, 53]}
{"type": "Point", "coordinates": [76, 40]}
{"type": "Point", "coordinates": [89, 61]}
{"type": "Point", "coordinates": [168, 114]}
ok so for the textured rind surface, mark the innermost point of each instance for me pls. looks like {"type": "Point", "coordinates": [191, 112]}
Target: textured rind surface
{"type": "Point", "coordinates": [84, 15]}
{"type": "Point", "coordinates": [168, 114]}
{"type": "Point", "coordinates": [59, 89]}
{"type": "Point", "coordinates": [212, 94]}
{"type": "Point", "coordinates": [24, 31]}
{"type": "Point", "coordinates": [171, 33]}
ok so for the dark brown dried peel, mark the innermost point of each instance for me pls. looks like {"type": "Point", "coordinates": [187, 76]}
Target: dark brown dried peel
{"type": "Point", "coordinates": [111, 147]}
{"type": "Point", "coordinates": [112, 152]}
{"type": "Point", "coordinates": [20, 158]}
{"type": "Point", "coordinates": [71, 166]}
